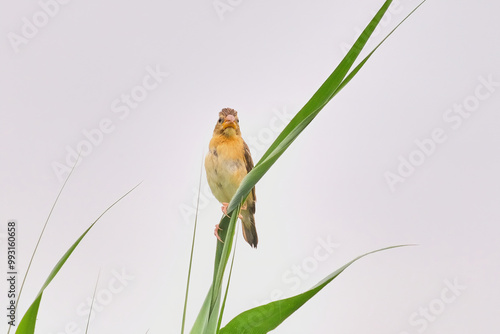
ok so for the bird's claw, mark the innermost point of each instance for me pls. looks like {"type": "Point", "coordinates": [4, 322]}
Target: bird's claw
{"type": "Point", "coordinates": [216, 232]}
{"type": "Point", "coordinates": [225, 206]}
{"type": "Point", "coordinates": [224, 209]}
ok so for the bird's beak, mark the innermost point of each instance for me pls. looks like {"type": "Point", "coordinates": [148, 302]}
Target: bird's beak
{"type": "Point", "coordinates": [229, 122]}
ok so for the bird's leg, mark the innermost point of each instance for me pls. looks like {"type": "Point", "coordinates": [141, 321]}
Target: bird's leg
{"type": "Point", "coordinates": [224, 208]}
{"type": "Point", "coordinates": [216, 232]}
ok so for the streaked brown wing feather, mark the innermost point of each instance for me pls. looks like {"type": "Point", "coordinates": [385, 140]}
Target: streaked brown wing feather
{"type": "Point", "coordinates": [249, 164]}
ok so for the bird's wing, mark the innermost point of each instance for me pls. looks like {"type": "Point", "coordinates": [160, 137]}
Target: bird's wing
{"type": "Point", "coordinates": [249, 164]}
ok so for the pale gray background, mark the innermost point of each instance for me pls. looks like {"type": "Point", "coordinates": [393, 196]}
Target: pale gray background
{"type": "Point", "coordinates": [262, 58]}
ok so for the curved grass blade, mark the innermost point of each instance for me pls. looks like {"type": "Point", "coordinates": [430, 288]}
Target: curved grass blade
{"type": "Point", "coordinates": [92, 303]}
{"type": "Point", "coordinates": [226, 246]}
{"type": "Point", "coordinates": [192, 252]}
{"type": "Point", "coordinates": [27, 324]}
{"type": "Point", "coordinates": [219, 269]}
{"type": "Point", "coordinates": [262, 319]}
{"type": "Point", "coordinates": [310, 110]}
{"type": "Point", "coordinates": [202, 319]}
{"type": "Point", "coordinates": [362, 63]}
{"type": "Point", "coordinates": [41, 234]}
{"type": "Point", "coordinates": [227, 285]}
{"type": "Point", "coordinates": [335, 82]}
{"type": "Point", "coordinates": [207, 319]}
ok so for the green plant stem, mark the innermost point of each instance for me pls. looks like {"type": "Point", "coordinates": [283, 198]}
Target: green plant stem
{"type": "Point", "coordinates": [227, 286]}
{"type": "Point", "coordinates": [92, 303]}
{"type": "Point", "coordinates": [192, 252]}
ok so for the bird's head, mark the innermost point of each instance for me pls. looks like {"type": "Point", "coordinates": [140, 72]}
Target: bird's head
{"type": "Point", "coordinates": [228, 123]}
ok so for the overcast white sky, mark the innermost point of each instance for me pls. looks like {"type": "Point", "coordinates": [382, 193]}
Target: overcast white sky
{"type": "Point", "coordinates": [408, 152]}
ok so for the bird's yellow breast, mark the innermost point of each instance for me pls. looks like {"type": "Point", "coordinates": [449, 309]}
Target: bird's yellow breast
{"type": "Point", "coordinates": [225, 166]}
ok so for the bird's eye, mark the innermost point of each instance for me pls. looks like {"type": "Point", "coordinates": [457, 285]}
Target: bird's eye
{"type": "Point", "coordinates": [221, 120]}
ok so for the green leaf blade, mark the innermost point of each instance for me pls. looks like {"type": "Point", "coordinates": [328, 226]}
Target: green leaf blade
{"type": "Point", "coordinates": [264, 318]}
{"type": "Point", "coordinates": [310, 110]}
{"type": "Point", "coordinates": [338, 79]}
{"type": "Point", "coordinates": [28, 321]}
{"type": "Point", "coordinates": [207, 320]}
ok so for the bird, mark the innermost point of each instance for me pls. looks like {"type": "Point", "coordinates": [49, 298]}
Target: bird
{"type": "Point", "coordinates": [227, 162]}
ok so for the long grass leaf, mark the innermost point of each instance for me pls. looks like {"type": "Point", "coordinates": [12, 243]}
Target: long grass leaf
{"type": "Point", "coordinates": [226, 250]}
{"type": "Point", "coordinates": [202, 319]}
{"type": "Point", "coordinates": [223, 306]}
{"type": "Point", "coordinates": [41, 233]}
{"type": "Point", "coordinates": [192, 252]}
{"type": "Point", "coordinates": [206, 321]}
{"type": "Point", "coordinates": [339, 78]}
{"type": "Point", "coordinates": [262, 319]}
{"type": "Point", "coordinates": [219, 269]}
{"type": "Point", "coordinates": [362, 63]}
{"type": "Point", "coordinates": [92, 303]}
{"type": "Point", "coordinates": [27, 324]}
{"type": "Point", "coordinates": [310, 110]}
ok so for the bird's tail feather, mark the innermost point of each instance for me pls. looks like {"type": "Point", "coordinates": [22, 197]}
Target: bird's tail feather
{"type": "Point", "coordinates": [249, 230]}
